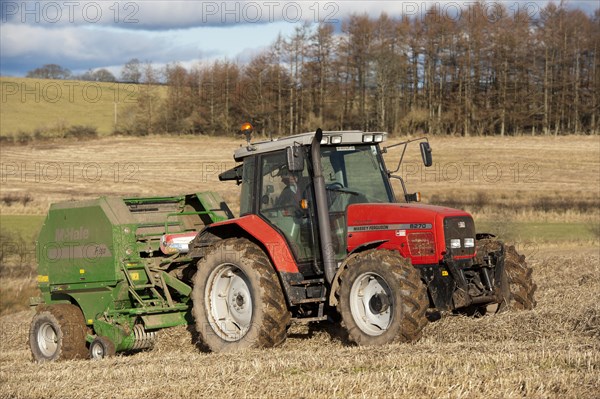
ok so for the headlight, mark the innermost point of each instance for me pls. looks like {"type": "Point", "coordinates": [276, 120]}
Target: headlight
{"type": "Point", "coordinates": [368, 138]}
{"type": "Point", "coordinates": [378, 138]}
{"type": "Point", "coordinates": [325, 141]}
{"type": "Point", "coordinates": [469, 242]}
{"type": "Point", "coordinates": [336, 139]}
{"type": "Point", "coordinates": [455, 243]}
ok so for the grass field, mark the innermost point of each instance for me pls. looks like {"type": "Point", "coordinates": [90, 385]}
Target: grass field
{"type": "Point", "coordinates": [23, 225]}
{"type": "Point", "coordinates": [550, 352]}
{"type": "Point", "coordinates": [30, 104]}
{"type": "Point", "coordinates": [543, 195]}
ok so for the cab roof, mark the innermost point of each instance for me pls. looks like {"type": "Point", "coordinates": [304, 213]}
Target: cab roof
{"type": "Point", "coordinates": [340, 138]}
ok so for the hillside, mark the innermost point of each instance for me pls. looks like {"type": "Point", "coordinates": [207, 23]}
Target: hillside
{"type": "Point", "coordinates": [30, 104]}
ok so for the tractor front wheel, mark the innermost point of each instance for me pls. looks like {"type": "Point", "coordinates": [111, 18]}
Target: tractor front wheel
{"type": "Point", "coordinates": [238, 302]}
{"type": "Point", "coordinates": [58, 332]}
{"type": "Point", "coordinates": [381, 299]}
{"type": "Point", "coordinates": [517, 284]}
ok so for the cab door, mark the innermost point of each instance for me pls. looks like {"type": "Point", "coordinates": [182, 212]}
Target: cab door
{"type": "Point", "coordinates": [280, 192]}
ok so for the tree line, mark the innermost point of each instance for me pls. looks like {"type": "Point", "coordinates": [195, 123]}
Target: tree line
{"type": "Point", "coordinates": [55, 71]}
{"type": "Point", "coordinates": [508, 75]}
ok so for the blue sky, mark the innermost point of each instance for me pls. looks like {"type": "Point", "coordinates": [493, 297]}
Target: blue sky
{"type": "Point", "coordinates": [82, 35]}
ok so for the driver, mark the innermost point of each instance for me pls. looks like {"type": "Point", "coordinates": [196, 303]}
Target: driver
{"type": "Point", "coordinates": [290, 195]}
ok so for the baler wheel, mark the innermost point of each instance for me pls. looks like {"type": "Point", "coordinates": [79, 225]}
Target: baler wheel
{"type": "Point", "coordinates": [58, 332]}
{"type": "Point", "coordinates": [238, 301]}
{"type": "Point", "coordinates": [101, 347]}
{"type": "Point", "coordinates": [382, 299]}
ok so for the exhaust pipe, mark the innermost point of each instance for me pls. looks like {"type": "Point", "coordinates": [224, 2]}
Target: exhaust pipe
{"type": "Point", "coordinates": [322, 208]}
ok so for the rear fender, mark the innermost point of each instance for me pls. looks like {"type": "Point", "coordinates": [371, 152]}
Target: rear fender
{"type": "Point", "coordinates": [259, 231]}
{"type": "Point", "coordinates": [368, 245]}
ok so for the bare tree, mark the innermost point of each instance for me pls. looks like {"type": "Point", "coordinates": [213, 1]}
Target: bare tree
{"type": "Point", "coordinates": [50, 71]}
{"type": "Point", "coordinates": [474, 75]}
{"type": "Point", "coordinates": [132, 71]}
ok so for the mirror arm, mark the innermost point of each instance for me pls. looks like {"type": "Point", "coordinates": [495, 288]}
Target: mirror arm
{"type": "Point", "coordinates": [405, 143]}
{"type": "Point", "coordinates": [401, 183]}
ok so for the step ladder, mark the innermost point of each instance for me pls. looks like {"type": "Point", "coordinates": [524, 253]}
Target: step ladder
{"type": "Point", "coordinates": [320, 300]}
{"type": "Point", "coordinates": [155, 280]}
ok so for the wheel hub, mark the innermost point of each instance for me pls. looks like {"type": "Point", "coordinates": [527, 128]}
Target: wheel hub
{"type": "Point", "coordinates": [97, 351]}
{"type": "Point", "coordinates": [47, 339]}
{"type": "Point", "coordinates": [239, 301]}
{"type": "Point", "coordinates": [229, 302]}
{"type": "Point", "coordinates": [371, 303]}
{"type": "Point", "coordinates": [379, 303]}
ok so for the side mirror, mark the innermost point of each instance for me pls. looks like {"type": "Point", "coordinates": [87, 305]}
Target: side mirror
{"type": "Point", "coordinates": [295, 158]}
{"type": "Point", "coordinates": [426, 153]}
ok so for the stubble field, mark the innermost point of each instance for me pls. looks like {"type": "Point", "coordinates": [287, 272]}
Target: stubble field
{"type": "Point", "coordinates": [541, 194]}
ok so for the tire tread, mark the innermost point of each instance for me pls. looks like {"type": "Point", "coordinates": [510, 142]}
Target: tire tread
{"type": "Point", "coordinates": [72, 328]}
{"type": "Point", "coordinates": [414, 300]}
{"type": "Point", "coordinates": [519, 274]}
{"type": "Point", "coordinates": [273, 328]}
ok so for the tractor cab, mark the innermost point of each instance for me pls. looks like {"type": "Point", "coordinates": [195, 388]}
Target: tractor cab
{"type": "Point", "coordinates": [277, 185]}
{"type": "Point", "coordinates": [305, 188]}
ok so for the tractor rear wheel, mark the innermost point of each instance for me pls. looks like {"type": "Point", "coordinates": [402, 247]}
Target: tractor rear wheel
{"type": "Point", "coordinates": [58, 332]}
{"type": "Point", "coordinates": [381, 299]}
{"type": "Point", "coordinates": [517, 284]}
{"type": "Point", "coordinates": [238, 301]}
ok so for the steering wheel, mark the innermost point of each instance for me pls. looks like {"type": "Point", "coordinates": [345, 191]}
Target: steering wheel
{"type": "Point", "coordinates": [334, 189]}
{"type": "Point", "coordinates": [339, 188]}
{"type": "Point", "coordinates": [335, 186]}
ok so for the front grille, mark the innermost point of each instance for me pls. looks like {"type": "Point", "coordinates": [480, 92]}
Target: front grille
{"type": "Point", "coordinates": [459, 228]}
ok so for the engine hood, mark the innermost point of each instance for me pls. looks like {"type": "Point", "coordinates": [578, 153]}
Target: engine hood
{"type": "Point", "coordinates": [369, 214]}
{"type": "Point", "coordinates": [421, 232]}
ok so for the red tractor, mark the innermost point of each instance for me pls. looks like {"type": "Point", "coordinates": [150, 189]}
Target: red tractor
{"type": "Point", "coordinates": [321, 234]}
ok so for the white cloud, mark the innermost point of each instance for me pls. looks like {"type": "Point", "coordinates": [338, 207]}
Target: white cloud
{"type": "Point", "coordinates": [176, 14]}
{"type": "Point", "coordinates": [83, 47]}
{"type": "Point", "coordinates": [92, 34]}
{"type": "Point", "coordinates": [143, 14]}
{"type": "Point", "coordinates": [78, 43]}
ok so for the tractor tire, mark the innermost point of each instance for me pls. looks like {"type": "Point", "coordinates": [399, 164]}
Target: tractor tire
{"type": "Point", "coordinates": [238, 301]}
{"type": "Point", "coordinates": [101, 347]}
{"type": "Point", "coordinates": [58, 332]}
{"type": "Point", "coordinates": [517, 284]}
{"type": "Point", "coordinates": [382, 299]}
